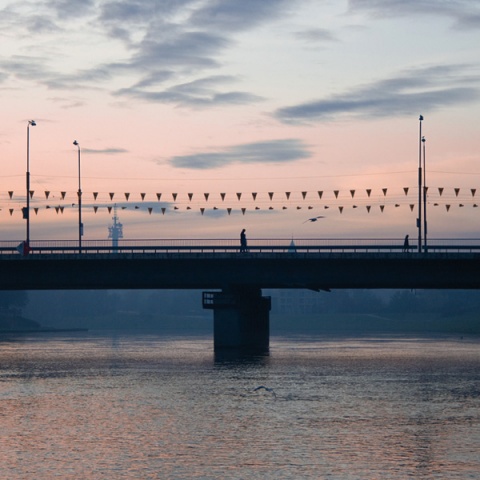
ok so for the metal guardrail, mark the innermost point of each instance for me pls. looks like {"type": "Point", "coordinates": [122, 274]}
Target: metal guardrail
{"type": "Point", "coordinates": [154, 246]}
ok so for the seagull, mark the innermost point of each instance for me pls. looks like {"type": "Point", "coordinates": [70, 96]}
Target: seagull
{"type": "Point", "coordinates": [313, 219]}
{"type": "Point", "coordinates": [266, 389]}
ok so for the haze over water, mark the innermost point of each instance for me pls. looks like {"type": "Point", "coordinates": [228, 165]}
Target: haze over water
{"type": "Point", "coordinates": [106, 405]}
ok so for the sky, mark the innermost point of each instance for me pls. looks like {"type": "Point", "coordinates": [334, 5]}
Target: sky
{"type": "Point", "coordinates": [198, 118]}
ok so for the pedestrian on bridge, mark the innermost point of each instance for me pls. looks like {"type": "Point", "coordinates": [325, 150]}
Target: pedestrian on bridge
{"type": "Point", "coordinates": [406, 244]}
{"type": "Point", "coordinates": [243, 242]}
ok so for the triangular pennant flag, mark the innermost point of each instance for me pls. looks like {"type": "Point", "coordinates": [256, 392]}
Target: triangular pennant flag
{"type": "Point", "coordinates": [47, 193]}
{"type": "Point", "coordinates": [326, 206]}
{"type": "Point", "coordinates": [354, 206]}
{"type": "Point", "coordinates": [384, 190]}
{"type": "Point", "coordinates": [189, 208]}
{"type": "Point", "coordinates": [215, 208]}
{"type": "Point", "coordinates": [254, 195]}
{"type": "Point", "coordinates": [336, 192]}
{"type": "Point", "coordinates": [61, 209]}
{"type": "Point", "coordinates": [283, 208]}
{"type": "Point", "coordinates": [150, 210]}
{"type": "Point", "coordinates": [239, 196]}
{"type": "Point", "coordinates": [440, 190]}
{"type": "Point", "coordinates": [341, 209]}
{"type": "Point", "coordinates": [109, 209]}
{"type": "Point", "coordinates": [473, 190]}
{"type": "Point", "coordinates": [10, 194]}
{"type": "Point", "coordinates": [270, 208]}
{"type": "Point", "coordinates": [426, 189]}
{"type": "Point", "coordinates": [229, 210]}
{"type": "Point", "coordinates": [411, 207]}
{"type": "Point", "coordinates": [352, 193]}
{"type": "Point", "coordinates": [56, 209]}
{"type": "Point", "coordinates": [159, 196]}
{"type": "Point", "coordinates": [202, 209]}
{"type": "Point", "coordinates": [206, 195]}
{"type": "Point", "coordinates": [382, 207]}
{"type": "Point", "coordinates": [243, 211]}
{"type": "Point", "coordinates": [63, 195]}
{"type": "Point", "coordinates": [31, 193]}
{"type": "Point", "coordinates": [95, 195]}
{"type": "Point", "coordinates": [405, 189]}
{"type": "Point", "coordinates": [36, 210]}
{"type": "Point", "coordinates": [304, 194]}
{"type": "Point", "coordinates": [163, 210]}
{"type": "Point", "coordinates": [299, 208]}
{"type": "Point", "coordinates": [447, 207]}
{"type": "Point", "coordinates": [270, 194]}
{"type": "Point", "coordinates": [174, 195]}
{"type": "Point", "coordinates": [320, 193]}
{"type": "Point", "coordinates": [95, 208]}
{"type": "Point", "coordinates": [143, 196]}
{"type": "Point", "coordinates": [397, 205]}
{"type": "Point", "coordinates": [309, 207]}
{"type": "Point", "coordinates": [223, 196]}
{"type": "Point", "coordinates": [475, 205]}
{"type": "Point", "coordinates": [190, 196]}
{"type": "Point", "coordinates": [11, 211]}
{"type": "Point", "coordinates": [368, 208]}
{"type": "Point", "coordinates": [457, 190]}
{"type": "Point", "coordinates": [112, 194]}
{"type": "Point", "coordinates": [127, 196]}
{"type": "Point", "coordinates": [369, 191]}
{"type": "Point", "coordinates": [287, 194]}
{"type": "Point", "coordinates": [460, 205]}
{"type": "Point", "coordinates": [136, 207]}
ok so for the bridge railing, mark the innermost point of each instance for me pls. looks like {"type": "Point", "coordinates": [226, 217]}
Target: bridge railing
{"type": "Point", "coordinates": [258, 245]}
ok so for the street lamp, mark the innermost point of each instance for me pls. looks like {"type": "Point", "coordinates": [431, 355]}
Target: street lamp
{"type": "Point", "coordinates": [419, 219]}
{"type": "Point", "coordinates": [80, 224]}
{"type": "Point", "coordinates": [424, 199]}
{"type": "Point", "coordinates": [26, 213]}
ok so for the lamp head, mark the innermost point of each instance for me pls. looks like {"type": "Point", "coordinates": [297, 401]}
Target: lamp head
{"type": "Point", "coordinates": [420, 118]}
{"type": "Point", "coordinates": [423, 139]}
{"type": "Point", "coordinates": [32, 123]}
{"type": "Point", "coordinates": [75, 142]}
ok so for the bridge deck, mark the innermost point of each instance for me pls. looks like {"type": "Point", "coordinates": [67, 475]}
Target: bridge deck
{"type": "Point", "coordinates": [213, 268]}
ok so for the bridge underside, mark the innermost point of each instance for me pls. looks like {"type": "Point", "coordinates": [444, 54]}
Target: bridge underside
{"type": "Point", "coordinates": [241, 314]}
{"type": "Point", "coordinates": [320, 271]}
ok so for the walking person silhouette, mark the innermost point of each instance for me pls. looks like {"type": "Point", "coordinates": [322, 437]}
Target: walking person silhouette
{"type": "Point", "coordinates": [243, 242]}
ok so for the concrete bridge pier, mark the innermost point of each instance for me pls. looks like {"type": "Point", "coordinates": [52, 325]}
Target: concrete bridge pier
{"type": "Point", "coordinates": [241, 319]}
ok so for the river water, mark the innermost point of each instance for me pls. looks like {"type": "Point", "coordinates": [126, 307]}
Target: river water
{"type": "Point", "coordinates": [147, 406]}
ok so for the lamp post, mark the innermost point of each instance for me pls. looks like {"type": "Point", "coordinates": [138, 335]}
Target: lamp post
{"type": "Point", "coordinates": [424, 199]}
{"type": "Point", "coordinates": [27, 212]}
{"type": "Point", "coordinates": [419, 219]}
{"type": "Point", "coordinates": [80, 224]}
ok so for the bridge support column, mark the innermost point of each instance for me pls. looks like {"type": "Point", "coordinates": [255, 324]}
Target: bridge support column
{"type": "Point", "coordinates": [240, 319]}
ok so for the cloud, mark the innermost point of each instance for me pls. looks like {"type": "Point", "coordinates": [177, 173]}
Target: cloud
{"type": "Point", "coordinates": [410, 92]}
{"type": "Point", "coordinates": [463, 12]}
{"type": "Point", "coordinates": [316, 35]}
{"type": "Point", "coordinates": [273, 151]}
{"type": "Point", "coordinates": [104, 151]}
{"type": "Point", "coordinates": [202, 92]}
{"type": "Point", "coordinates": [173, 47]}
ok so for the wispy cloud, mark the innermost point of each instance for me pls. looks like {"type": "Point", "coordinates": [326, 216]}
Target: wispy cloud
{"type": "Point", "coordinates": [464, 13]}
{"type": "Point", "coordinates": [412, 91]}
{"type": "Point", "coordinates": [104, 151]}
{"type": "Point", "coordinates": [273, 151]}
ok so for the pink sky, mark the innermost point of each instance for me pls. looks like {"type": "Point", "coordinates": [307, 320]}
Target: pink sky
{"type": "Point", "coordinates": [240, 97]}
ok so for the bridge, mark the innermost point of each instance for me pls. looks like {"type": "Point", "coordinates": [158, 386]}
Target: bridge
{"type": "Point", "coordinates": [235, 280]}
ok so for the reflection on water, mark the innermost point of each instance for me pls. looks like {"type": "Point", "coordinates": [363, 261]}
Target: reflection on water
{"type": "Point", "coordinates": [146, 406]}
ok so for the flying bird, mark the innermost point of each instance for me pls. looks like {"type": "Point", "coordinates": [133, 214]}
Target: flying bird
{"type": "Point", "coordinates": [267, 389]}
{"type": "Point", "coordinates": [313, 219]}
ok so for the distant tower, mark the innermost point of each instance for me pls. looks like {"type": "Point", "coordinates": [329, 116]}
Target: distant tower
{"type": "Point", "coordinates": [116, 230]}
